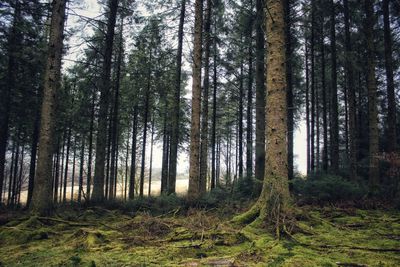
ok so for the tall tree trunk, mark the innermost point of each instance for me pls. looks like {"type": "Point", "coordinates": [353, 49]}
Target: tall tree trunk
{"type": "Point", "coordinates": [214, 107]}
{"type": "Point", "coordinates": [90, 148]}
{"type": "Point", "coordinates": [334, 134]}
{"type": "Point", "coordinates": [391, 119]}
{"type": "Point", "coordinates": [307, 107]}
{"type": "Point", "coordinates": [194, 159]}
{"type": "Point", "coordinates": [313, 123]}
{"type": "Point", "coordinates": [241, 96]}
{"type": "Point", "coordinates": [133, 156]}
{"type": "Point", "coordinates": [176, 105]}
{"type": "Point", "coordinates": [98, 186]}
{"type": "Point", "coordinates": [351, 95]}
{"type": "Point", "coordinates": [73, 172]}
{"type": "Point", "coordinates": [66, 166]}
{"type": "Point", "coordinates": [15, 174]}
{"type": "Point", "coordinates": [324, 96]}
{"type": "Point", "coordinates": [6, 93]}
{"type": "Point", "coordinates": [145, 120]}
{"type": "Point", "coordinates": [249, 129]}
{"type": "Point", "coordinates": [206, 87]}
{"type": "Point", "coordinates": [165, 151]}
{"type": "Point", "coordinates": [126, 165]}
{"type": "Point", "coordinates": [273, 202]}
{"type": "Point", "coordinates": [260, 93]}
{"type": "Point", "coordinates": [32, 164]}
{"type": "Point", "coordinates": [290, 119]}
{"type": "Point", "coordinates": [14, 147]}
{"type": "Point", "coordinates": [56, 172]}
{"type": "Point", "coordinates": [108, 157]}
{"type": "Point", "coordinates": [151, 154]}
{"type": "Point", "coordinates": [372, 98]}
{"type": "Point", "coordinates": [115, 119]}
{"type": "Point", "coordinates": [80, 189]}
{"type": "Point", "coordinates": [42, 202]}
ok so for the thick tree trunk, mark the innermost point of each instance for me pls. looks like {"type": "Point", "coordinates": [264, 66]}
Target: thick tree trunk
{"type": "Point", "coordinates": [273, 202]}
{"type": "Point", "coordinates": [260, 93]}
{"type": "Point", "coordinates": [372, 98]}
{"type": "Point", "coordinates": [351, 95]}
{"type": "Point", "coordinates": [194, 159]}
{"type": "Point", "coordinates": [42, 202]}
{"type": "Point", "coordinates": [206, 87]}
{"type": "Point", "coordinates": [391, 116]}
{"type": "Point", "coordinates": [176, 105]}
{"type": "Point", "coordinates": [98, 186]}
{"type": "Point", "coordinates": [334, 133]}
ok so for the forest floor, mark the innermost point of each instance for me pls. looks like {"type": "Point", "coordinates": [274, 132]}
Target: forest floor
{"type": "Point", "coordinates": [198, 237]}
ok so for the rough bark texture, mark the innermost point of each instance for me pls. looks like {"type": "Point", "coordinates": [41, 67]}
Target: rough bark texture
{"type": "Point", "coordinates": [98, 185]}
{"type": "Point", "coordinates": [176, 105]}
{"type": "Point", "coordinates": [372, 98]}
{"type": "Point", "coordinates": [391, 119]}
{"type": "Point", "coordinates": [206, 87]}
{"type": "Point", "coordinates": [274, 199]}
{"type": "Point", "coordinates": [42, 201]}
{"type": "Point", "coordinates": [260, 94]}
{"type": "Point", "coordinates": [194, 160]}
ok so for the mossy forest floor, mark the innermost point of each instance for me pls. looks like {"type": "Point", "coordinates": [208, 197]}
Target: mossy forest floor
{"type": "Point", "coordinates": [198, 237]}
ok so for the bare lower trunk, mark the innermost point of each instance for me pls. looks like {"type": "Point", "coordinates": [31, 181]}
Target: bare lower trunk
{"type": "Point", "coordinates": [42, 202]}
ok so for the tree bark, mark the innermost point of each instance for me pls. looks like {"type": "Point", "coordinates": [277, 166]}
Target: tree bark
{"type": "Point", "coordinates": [290, 111]}
{"type": "Point", "coordinates": [249, 129]}
{"type": "Point", "coordinates": [98, 186]}
{"type": "Point", "coordinates": [372, 98]}
{"type": "Point", "coordinates": [391, 116]}
{"type": "Point", "coordinates": [194, 158]}
{"type": "Point", "coordinates": [260, 93]}
{"type": "Point", "coordinates": [273, 202]}
{"type": "Point", "coordinates": [133, 156]}
{"type": "Point", "coordinates": [334, 134]}
{"type": "Point", "coordinates": [42, 202]}
{"type": "Point", "coordinates": [351, 95]}
{"type": "Point", "coordinates": [176, 105]}
{"type": "Point", "coordinates": [80, 190]}
{"type": "Point", "coordinates": [206, 87]}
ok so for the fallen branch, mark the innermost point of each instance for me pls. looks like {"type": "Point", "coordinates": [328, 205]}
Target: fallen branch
{"type": "Point", "coordinates": [351, 264]}
{"type": "Point", "coordinates": [48, 219]}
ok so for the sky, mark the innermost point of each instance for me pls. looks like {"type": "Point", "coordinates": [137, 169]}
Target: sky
{"type": "Point", "coordinates": [91, 9]}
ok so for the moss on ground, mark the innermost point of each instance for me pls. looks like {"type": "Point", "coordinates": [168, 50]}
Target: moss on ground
{"type": "Point", "coordinates": [99, 237]}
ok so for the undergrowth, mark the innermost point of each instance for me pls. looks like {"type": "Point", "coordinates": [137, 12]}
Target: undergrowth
{"type": "Point", "coordinates": [169, 232]}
